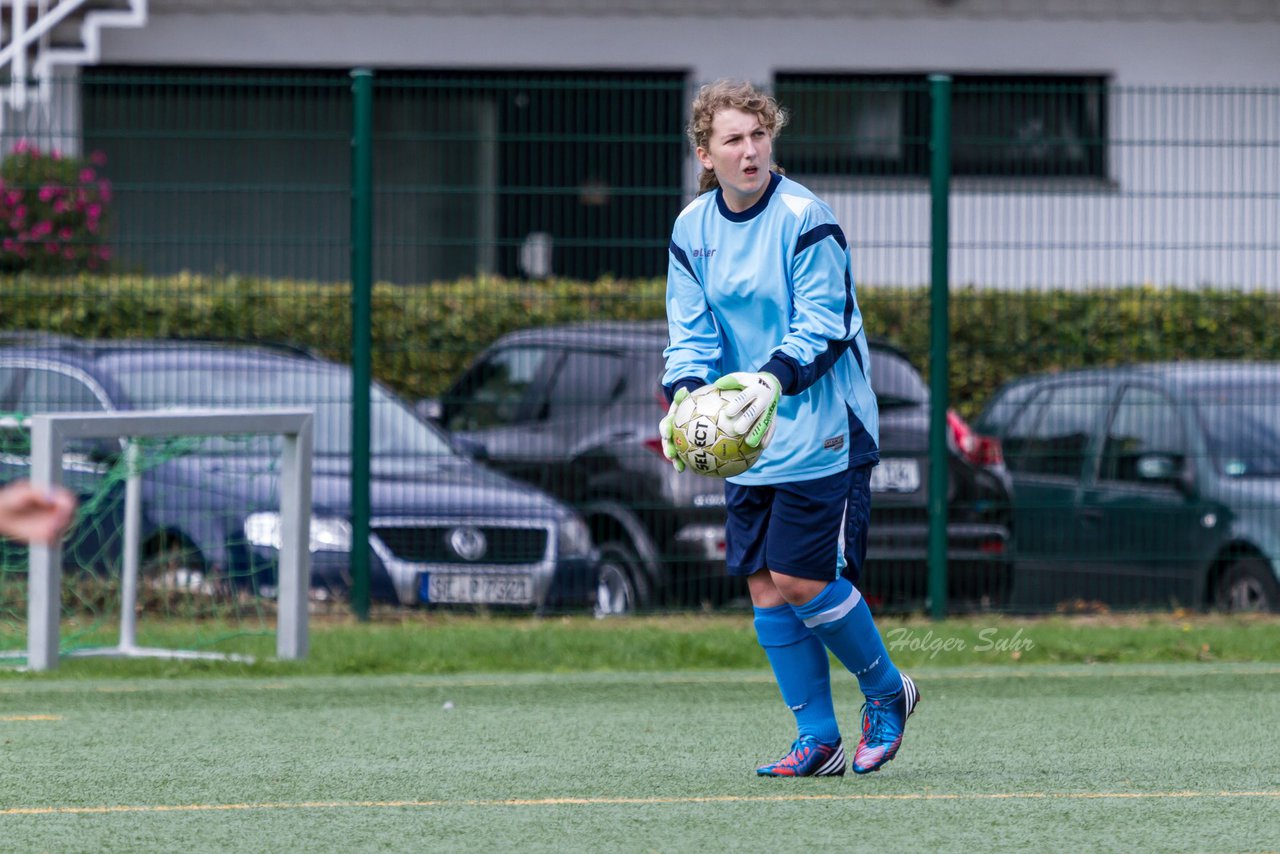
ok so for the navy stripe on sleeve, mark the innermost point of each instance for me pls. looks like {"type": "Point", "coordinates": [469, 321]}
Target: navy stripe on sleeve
{"type": "Point", "coordinates": [683, 259]}
{"type": "Point", "coordinates": [817, 233]}
{"type": "Point", "coordinates": [796, 377]}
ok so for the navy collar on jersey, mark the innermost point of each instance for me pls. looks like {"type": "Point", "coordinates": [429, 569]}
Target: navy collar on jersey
{"type": "Point", "coordinates": [774, 180]}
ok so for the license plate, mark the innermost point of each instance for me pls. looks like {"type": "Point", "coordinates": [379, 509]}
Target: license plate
{"type": "Point", "coordinates": [895, 475]}
{"type": "Point", "coordinates": [462, 589]}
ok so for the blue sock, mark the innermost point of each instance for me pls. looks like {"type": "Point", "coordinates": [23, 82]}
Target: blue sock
{"type": "Point", "coordinates": [839, 616]}
{"type": "Point", "coordinates": [802, 669]}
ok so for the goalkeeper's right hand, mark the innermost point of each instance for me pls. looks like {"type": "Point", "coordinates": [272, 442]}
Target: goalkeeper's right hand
{"type": "Point", "coordinates": [665, 430]}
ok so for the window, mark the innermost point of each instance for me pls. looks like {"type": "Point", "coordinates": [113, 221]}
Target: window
{"type": "Point", "coordinates": [1017, 440]}
{"type": "Point", "coordinates": [585, 382]}
{"type": "Point", "coordinates": [1240, 428]}
{"type": "Point", "coordinates": [1002, 125]}
{"type": "Point", "coordinates": [642, 383]}
{"type": "Point", "coordinates": [1145, 440]}
{"type": "Point", "coordinates": [992, 421]}
{"type": "Point", "coordinates": [327, 392]}
{"type": "Point", "coordinates": [471, 165]}
{"type": "Point", "coordinates": [496, 391]}
{"type": "Point", "coordinates": [895, 381]}
{"type": "Point", "coordinates": [14, 441]}
{"type": "Point", "coordinates": [53, 391]}
{"type": "Point", "coordinates": [7, 375]}
{"type": "Point", "coordinates": [1051, 436]}
{"type": "Point", "coordinates": [45, 390]}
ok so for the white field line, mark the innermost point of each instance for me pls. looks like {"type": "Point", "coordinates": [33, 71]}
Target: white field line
{"type": "Point", "coordinates": [673, 801]}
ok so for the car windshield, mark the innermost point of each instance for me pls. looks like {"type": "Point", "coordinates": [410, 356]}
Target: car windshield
{"type": "Point", "coordinates": [393, 429]}
{"type": "Point", "coordinates": [1243, 429]}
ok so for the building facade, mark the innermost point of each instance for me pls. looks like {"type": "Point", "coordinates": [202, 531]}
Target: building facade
{"type": "Point", "coordinates": [1096, 143]}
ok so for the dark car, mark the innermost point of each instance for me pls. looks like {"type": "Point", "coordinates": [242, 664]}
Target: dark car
{"type": "Point", "coordinates": [1145, 485]}
{"type": "Point", "coordinates": [574, 410]}
{"type": "Point", "coordinates": [444, 529]}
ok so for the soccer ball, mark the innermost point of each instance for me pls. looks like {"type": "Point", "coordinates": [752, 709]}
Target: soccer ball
{"type": "Point", "coordinates": [704, 437]}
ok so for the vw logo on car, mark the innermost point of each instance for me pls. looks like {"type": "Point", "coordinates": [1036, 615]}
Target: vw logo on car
{"type": "Point", "coordinates": [468, 543]}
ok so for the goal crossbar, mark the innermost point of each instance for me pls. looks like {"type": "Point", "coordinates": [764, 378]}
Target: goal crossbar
{"type": "Point", "coordinates": [50, 432]}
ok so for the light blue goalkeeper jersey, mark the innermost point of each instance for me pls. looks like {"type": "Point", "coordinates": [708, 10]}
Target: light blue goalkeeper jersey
{"type": "Point", "coordinates": [771, 289]}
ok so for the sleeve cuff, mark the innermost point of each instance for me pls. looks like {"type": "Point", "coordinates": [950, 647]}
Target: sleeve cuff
{"type": "Point", "coordinates": [782, 367]}
{"type": "Point", "coordinates": [689, 383]}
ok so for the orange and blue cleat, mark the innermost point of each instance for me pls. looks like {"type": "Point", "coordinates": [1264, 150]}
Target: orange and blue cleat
{"type": "Point", "coordinates": [882, 725]}
{"type": "Point", "coordinates": [808, 758]}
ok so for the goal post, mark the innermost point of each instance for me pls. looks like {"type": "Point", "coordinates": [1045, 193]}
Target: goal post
{"type": "Point", "coordinates": [50, 432]}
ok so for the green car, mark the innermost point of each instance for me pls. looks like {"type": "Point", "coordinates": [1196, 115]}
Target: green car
{"type": "Point", "coordinates": [1144, 486]}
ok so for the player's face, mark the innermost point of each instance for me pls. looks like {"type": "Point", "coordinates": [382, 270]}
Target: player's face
{"type": "Point", "coordinates": [739, 150]}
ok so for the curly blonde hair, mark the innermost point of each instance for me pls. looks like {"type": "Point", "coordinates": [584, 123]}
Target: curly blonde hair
{"type": "Point", "coordinates": [730, 95]}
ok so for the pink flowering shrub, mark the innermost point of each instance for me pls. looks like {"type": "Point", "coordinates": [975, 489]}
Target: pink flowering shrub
{"type": "Point", "coordinates": [52, 212]}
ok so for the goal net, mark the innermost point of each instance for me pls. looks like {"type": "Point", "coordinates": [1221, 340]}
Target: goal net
{"type": "Point", "coordinates": [190, 539]}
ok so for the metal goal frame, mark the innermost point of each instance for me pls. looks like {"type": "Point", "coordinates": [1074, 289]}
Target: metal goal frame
{"type": "Point", "coordinates": [49, 433]}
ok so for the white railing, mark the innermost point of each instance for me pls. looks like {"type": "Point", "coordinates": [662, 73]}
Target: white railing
{"type": "Point", "coordinates": [27, 52]}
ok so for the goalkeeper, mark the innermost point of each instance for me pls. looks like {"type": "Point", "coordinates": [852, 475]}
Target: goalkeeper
{"type": "Point", "coordinates": [760, 300]}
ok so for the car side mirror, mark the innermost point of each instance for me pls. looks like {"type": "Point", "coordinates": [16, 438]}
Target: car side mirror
{"type": "Point", "coordinates": [429, 409]}
{"type": "Point", "coordinates": [1166, 468]}
{"type": "Point", "coordinates": [470, 448]}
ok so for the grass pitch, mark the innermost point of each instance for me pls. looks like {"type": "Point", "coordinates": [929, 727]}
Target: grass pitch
{"type": "Point", "coordinates": [1042, 757]}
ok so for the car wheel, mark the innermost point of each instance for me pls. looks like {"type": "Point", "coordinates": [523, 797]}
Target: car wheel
{"type": "Point", "coordinates": [620, 589]}
{"type": "Point", "coordinates": [1248, 585]}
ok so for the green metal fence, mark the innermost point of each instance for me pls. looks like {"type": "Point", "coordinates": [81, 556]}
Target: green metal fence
{"type": "Point", "coordinates": [403, 222]}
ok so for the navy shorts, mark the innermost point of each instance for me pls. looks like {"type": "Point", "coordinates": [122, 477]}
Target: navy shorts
{"type": "Point", "coordinates": [795, 528]}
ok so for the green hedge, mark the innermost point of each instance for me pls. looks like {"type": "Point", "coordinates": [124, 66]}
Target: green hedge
{"type": "Point", "coordinates": [999, 335]}
{"type": "Point", "coordinates": [424, 335]}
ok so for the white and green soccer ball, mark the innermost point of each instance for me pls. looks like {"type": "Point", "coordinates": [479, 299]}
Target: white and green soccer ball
{"type": "Point", "coordinates": [704, 437]}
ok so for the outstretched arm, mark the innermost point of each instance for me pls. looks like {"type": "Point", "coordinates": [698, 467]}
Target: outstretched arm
{"type": "Point", "coordinates": [30, 515]}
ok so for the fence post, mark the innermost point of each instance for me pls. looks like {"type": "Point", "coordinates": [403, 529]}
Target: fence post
{"type": "Point", "coordinates": [939, 336]}
{"type": "Point", "coordinates": [361, 333]}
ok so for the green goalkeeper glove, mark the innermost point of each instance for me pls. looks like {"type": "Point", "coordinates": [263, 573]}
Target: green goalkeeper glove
{"type": "Point", "coordinates": [665, 430]}
{"type": "Point", "coordinates": [754, 408]}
